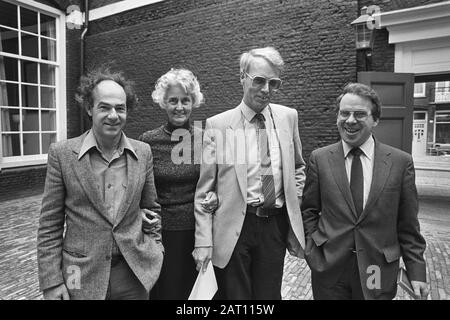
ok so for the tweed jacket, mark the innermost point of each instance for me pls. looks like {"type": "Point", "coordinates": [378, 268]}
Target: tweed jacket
{"type": "Point", "coordinates": [76, 233]}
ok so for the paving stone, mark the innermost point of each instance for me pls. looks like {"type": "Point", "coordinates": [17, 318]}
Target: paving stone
{"type": "Point", "coordinates": [18, 266]}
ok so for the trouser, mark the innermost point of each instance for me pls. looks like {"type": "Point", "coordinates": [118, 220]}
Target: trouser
{"type": "Point", "coordinates": [255, 269]}
{"type": "Point", "coordinates": [123, 283]}
{"type": "Point", "coordinates": [178, 271]}
{"type": "Point", "coordinates": [348, 286]}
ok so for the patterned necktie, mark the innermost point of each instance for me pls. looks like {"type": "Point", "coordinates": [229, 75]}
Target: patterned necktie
{"type": "Point", "coordinates": [357, 180]}
{"type": "Point", "coordinates": [268, 185]}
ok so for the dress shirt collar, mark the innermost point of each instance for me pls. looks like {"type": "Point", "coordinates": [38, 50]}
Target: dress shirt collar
{"type": "Point", "coordinates": [249, 113]}
{"type": "Point", "coordinates": [367, 148]}
{"type": "Point", "coordinates": [91, 142]}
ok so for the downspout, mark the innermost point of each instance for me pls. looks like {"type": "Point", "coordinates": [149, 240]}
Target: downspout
{"type": "Point", "coordinates": [82, 64]}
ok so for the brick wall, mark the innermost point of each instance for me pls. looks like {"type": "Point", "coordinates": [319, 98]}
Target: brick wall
{"type": "Point", "coordinates": [314, 37]}
{"type": "Point", "coordinates": [21, 182]}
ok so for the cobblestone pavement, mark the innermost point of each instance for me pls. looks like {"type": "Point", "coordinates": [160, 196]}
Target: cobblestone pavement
{"type": "Point", "coordinates": [18, 267]}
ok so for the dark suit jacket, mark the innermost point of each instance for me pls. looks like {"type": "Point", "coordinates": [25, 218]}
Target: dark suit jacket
{"type": "Point", "coordinates": [72, 198]}
{"type": "Point", "coordinates": [387, 229]}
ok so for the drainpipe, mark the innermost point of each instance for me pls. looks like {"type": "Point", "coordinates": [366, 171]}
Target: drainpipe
{"type": "Point", "coordinates": [82, 67]}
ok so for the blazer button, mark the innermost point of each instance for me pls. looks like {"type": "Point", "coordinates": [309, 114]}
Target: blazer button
{"type": "Point", "coordinates": [237, 233]}
{"type": "Point", "coordinates": [108, 257]}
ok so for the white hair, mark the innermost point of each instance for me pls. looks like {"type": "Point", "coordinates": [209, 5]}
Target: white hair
{"type": "Point", "coordinates": [181, 77]}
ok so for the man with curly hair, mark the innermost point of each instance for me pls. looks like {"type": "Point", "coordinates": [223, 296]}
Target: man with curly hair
{"type": "Point", "coordinates": [99, 228]}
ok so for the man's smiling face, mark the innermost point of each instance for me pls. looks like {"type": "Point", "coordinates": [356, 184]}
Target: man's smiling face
{"type": "Point", "coordinates": [356, 128]}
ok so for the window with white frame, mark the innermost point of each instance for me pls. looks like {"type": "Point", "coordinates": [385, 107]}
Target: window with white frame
{"type": "Point", "coordinates": [442, 122]}
{"type": "Point", "coordinates": [32, 77]}
{"type": "Point", "coordinates": [442, 91]}
{"type": "Point", "coordinates": [419, 90]}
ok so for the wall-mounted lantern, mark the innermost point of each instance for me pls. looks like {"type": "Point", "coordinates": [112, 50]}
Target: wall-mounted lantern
{"type": "Point", "coordinates": [365, 26]}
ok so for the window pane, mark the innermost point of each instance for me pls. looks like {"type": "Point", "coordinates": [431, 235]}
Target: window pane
{"type": "Point", "coordinates": [30, 96]}
{"type": "Point", "coordinates": [30, 120]}
{"type": "Point", "coordinates": [419, 89]}
{"type": "Point", "coordinates": [443, 117]}
{"type": "Point", "coordinates": [28, 20]}
{"type": "Point", "coordinates": [29, 71]}
{"type": "Point", "coordinates": [48, 119]}
{"type": "Point", "coordinates": [48, 26]}
{"type": "Point", "coordinates": [8, 14]}
{"type": "Point", "coordinates": [11, 145]}
{"type": "Point", "coordinates": [47, 74]}
{"type": "Point", "coordinates": [47, 139]}
{"type": "Point", "coordinates": [48, 49]}
{"type": "Point", "coordinates": [419, 116]}
{"type": "Point", "coordinates": [9, 41]}
{"type": "Point", "coordinates": [10, 120]}
{"type": "Point", "coordinates": [8, 69]}
{"type": "Point", "coordinates": [30, 143]}
{"type": "Point", "coordinates": [443, 133]}
{"type": "Point", "coordinates": [30, 45]}
{"type": "Point", "coordinates": [9, 94]}
{"type": "Point", "coordinates": [48, 98]}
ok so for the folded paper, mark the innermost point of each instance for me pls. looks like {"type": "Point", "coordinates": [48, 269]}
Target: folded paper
{"type": "Point", "coordinates": [205, 287]}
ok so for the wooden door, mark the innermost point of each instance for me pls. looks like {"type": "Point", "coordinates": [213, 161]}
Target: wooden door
{"type": "Point", "coordinates": [396, 91]}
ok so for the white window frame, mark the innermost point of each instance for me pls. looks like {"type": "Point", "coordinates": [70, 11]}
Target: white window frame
{"type": "Point", "coordinates": [60, 83]}
{"type": "Point", "coordinates": [445, 98]}
{"type": "Point", "coordinates": [446, 85]}
{"type": "Point", "coordinates": [435, 124]}
{"type": "Point", "coordinates": [420, 94]}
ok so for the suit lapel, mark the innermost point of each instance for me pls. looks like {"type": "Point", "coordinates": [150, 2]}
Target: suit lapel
{"type": "Point", "coordinates": [381, 171]}
{"type": "Point", "coordinates": [132, 183]}
{"type": "Point", "coordinates": [284, 140]}
{"type": "Point", "coordinates": [337, 167]}
{"type": "Point", "coordinates": [86, 178]}
{"type": "Point", "coordinates": [237, 123]}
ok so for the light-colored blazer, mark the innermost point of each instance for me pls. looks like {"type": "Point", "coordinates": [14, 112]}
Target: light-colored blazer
{"type": "Point", "coordinates": [80, 253]}
{"type": "Point", "coordinates": [222, 171]}
{"type": "Point", "coordinates": [387, 229]}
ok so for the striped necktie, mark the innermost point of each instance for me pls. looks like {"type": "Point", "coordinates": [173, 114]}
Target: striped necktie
{"type": "Point", "coordinates": [268, 185]}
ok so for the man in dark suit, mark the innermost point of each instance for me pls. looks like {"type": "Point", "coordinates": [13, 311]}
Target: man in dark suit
{"type": "Point", "coordinates": [360, 209]}
{"type": "Point", "coordinates": [100, 185]}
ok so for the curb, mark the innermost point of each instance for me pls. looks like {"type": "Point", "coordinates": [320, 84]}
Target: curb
{"type": "Point", "coordinates": [432, 169]}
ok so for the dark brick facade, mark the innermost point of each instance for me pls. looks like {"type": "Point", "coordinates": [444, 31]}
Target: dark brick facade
{"type": "Point", "coordinates": [21, 182]}
{"type": "Point", "coordinates": [207, 36]}
{"type": "Point", "coordinates": [314, 37]}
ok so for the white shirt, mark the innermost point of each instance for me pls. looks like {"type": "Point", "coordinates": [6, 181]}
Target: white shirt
{"type": "Point", "coordinates": [254, 182]}
{"type": "Point", "coordinates": [367, 160]}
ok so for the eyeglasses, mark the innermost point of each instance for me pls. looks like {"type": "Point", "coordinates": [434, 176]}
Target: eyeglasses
{"type": "Point", "coordinates": [358, 115]}
{"type": "Point", "coordinates": [258, 82]}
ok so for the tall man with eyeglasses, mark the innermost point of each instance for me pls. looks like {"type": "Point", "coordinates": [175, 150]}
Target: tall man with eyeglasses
{"type": "Point", "coordinates": [360, 209]}
{"type": "Point", "coordinates": [253, 159]}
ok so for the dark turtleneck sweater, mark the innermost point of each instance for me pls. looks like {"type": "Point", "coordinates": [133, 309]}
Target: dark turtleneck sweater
{"type": "Point", "coordinates": [175, 183]}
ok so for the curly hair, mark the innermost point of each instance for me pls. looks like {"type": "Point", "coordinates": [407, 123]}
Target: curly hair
{"type": "Point", "coordinates": [89, 81]}
{"type": "Point", "coordinates": [362, 91]}
{"type": "Point", "coordinates": [181, 77]}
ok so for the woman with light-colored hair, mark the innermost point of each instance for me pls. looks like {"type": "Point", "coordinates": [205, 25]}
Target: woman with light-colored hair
{"type": "Point", "coordinates": [178, 93]}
